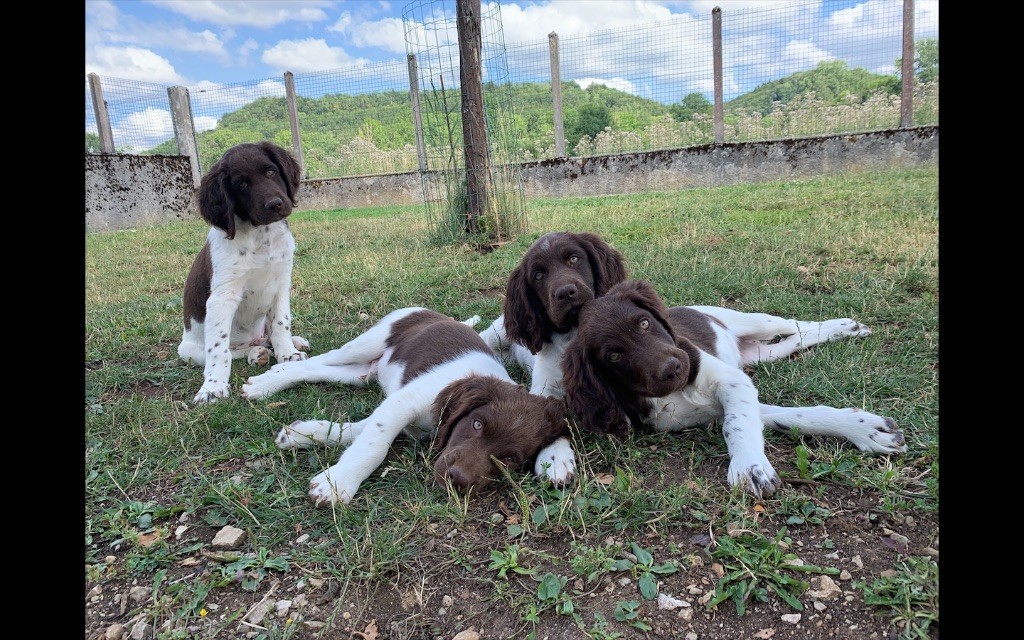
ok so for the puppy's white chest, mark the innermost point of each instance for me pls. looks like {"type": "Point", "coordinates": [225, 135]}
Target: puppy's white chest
{"type": "Point", "coordinates": [690, 407]}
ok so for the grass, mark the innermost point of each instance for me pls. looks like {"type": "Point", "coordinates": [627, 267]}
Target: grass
{"type": "Point", "coordinates": [861, 245]}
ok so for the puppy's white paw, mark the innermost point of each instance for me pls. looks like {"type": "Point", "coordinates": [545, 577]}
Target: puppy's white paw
{"type": "Point", "coordinates": [471, 322]}
{"type": "Point", "coordinates": [842, 328]}
{"type": "Point", "coordinates": [877, 434]}
{"type": "Point", "coordinates": [329, 487]}
{"type": "Point", "coordinates": [300, 343]}
{"type": "Point", "coordinates": [210, 391]}
{"type": "Point", "coordinates": [302, 434]}
{"type": "Point", "coordinates": [754, 474]}
{"type": "Point", "coordinates": [258, 356]}
{"type": "Point", "coordinates": [292, 357]}
{"type": "Point", "coordinates": [261, 386]}
{"type": "Point", "coordinates": [556, 462]}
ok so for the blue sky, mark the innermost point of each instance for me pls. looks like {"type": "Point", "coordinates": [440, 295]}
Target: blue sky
{"type": "Point", "coordinates": [188, 42]}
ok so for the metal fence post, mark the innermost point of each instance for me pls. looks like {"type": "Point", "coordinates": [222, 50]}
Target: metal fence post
{"type": "Point", "coordinates": [716, 37]}
{"type": "Point", "coordinates": [417, 116]}
{"type": "Point", "coordinates": [293, 120]}
{"type": "Point", "coordinates": [556, 95]}
{"type": "Point", "coordinates": [184, 129]}
{"type": "Point", "coordinates": [99, 106]}
{"type": "Point", "coordinates": [907, 92]}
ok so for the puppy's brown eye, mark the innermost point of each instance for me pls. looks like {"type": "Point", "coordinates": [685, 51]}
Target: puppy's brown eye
{"type": "Point", "coordinates": [614, 356]}
{"type": "Point", "coordinates": [538, 276]}
{"type": "Point", "coordinates": [270, 172]}
{"type": "Point", "coordinates": [645, 323]}
{"type": "Point", "coordinates": [477, 426]}
{"type": "Point", "coordinates": [574, 259]}
{"type": "Point", "coordinates": [243, 185]}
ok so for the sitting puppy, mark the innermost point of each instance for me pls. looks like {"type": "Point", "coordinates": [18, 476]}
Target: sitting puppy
{"type": "Point", "coordinates": [440, 378]}
{"type": "Point", "coordinates": [635, 362]}
{"type": "Point", "coordinates": [558, 274]}
{"type": "Point", "coordinates": [237, 294]}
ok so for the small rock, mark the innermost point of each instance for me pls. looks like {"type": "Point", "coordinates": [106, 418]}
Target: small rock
{"type": "Point", "coordinates": [857, 561]}
{"type": "Point", "coordinates": [704, 599]}
{"type": "Point", "coordinates": [932, 552]}
{"type": "Point", "coordinates": [685, 614]}
{"type": "Point", "coordinates": [669, 603]}
{"type": "Point", "coordinates": [314, 625]}
{"type": "Point", "coordinates": [259, 612]}
{"type": "Point", "coordinates": [691, 636]}
{"type": "Point", "coordinates": [299, 601]}
{"type": "Point", "coordinates": [845, 575]}
{"type": "Point", "coordinates": [281, 607]}
{"type": "Point", "coordinates": [95, 591]}
{"type": "Point", "coordinates": [228, 538]}
{"type": "Point", "coordinates": [909, 521]}
{"type": "Point", "coordinates": [819, 605]}
{"type": "Point", "coordinates": [110, 559]}
{"type": "Point", "coordinates": [447, 601]}
{"type": "Point", "coordinates": [694, 590]}
{"type": "Point", "coordinates": [114, 631]}
{"type": "Point", "coordinates": [832, 556]}
{"type": "Point", "coordinates": [139, 630]}
{"type": "Point", "coordinates": [442, 611]}
{"type": "Point", "coordinates": [899, 539]}
{"type": "Point", "coordinates": [888, 573]}
{"type": "Point", "coordinates": [302, 538]}
{"type": "Point", "coordinates": [138, 594]}
{"type": "Point", "coordinates": [623, 581]}
{"type": "Point", "coordinates": [827, 588]}
{"type": "Point", "coordinates": [791, 618]}
{"type": "Point", "coordinates": [180, 531]}
{"type": "Point", "coordinates": [468, 634]}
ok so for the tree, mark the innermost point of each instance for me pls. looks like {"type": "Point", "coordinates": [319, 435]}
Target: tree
{"type": "Point", "coordinates": [690, 105]}
{"type": "Point", "coordinates": [590, 121]}
{"type": "Point", "coordinates": [926, 60]}
{"type": "Point", "coordinates": [92, 143]}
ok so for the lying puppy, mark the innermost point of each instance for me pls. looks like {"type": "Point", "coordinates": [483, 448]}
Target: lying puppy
{"type": "Point", "coordinates": [636, 362]}
{"type": "Point", "coordinates": [237, 294]}
{"type": "Point", "coordinates": [440, 378]}
{"type": "Point", "coordinates": [557, 275]}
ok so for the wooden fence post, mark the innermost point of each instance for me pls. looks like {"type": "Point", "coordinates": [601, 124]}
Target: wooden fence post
{"type": "Point", "coordinates": [99, 106]}
{"type": "Point", "coordinates": [417, 115]}
{"type": "Point", "coordinates": [716, 36]}
{"type": "Point", "coordinates": [293, 120]}
{"type": "Point", "coordinates": [185, 130]}
{"type": "Point", "coordinates": [556, 95]}
{"type": "Point", "coordinates": [907, 92]}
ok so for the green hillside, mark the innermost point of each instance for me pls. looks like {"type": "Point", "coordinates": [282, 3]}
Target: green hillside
{"type": "Point", "coordinates": [342, 125]}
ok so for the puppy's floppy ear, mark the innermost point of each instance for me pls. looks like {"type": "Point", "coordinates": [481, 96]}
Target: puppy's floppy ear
{"type": "Point", "coordinates": [643, 295]}
{"type": "Point", "coordinates": [287, 165]}
{"type": "Point", "coordinates": [525, 319]}
{"type": "Point", "coordinates": [455, 401]}
{"type": "Point", "coordinates": [216, 200]}
{"type": "Point", "coordinates": [589, 397]}
{"type": "Point", "coordinates": [606, 263]}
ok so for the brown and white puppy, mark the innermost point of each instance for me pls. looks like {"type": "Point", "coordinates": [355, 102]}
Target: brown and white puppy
{"type": "Point", "coordinates": [441, 380]}
{"type": "Point", "coordinates": [635, 362]}
{"type": "Point", "coordinates": [558, 274]}
{"type": "Point", "coordinates": [237, 293]}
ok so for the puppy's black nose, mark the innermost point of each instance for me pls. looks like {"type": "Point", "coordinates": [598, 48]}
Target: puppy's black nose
{"type": "Point", "coordinates": [274, 204]}
{"type": "Point", "coordinates": [673, 368]}
{"type": "Point", "coordinates": [567, 292]}
{"type": "Point", "coordinates": [458, 477]}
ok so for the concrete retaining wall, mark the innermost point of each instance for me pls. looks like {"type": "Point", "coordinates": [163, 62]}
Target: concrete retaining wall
{"type": "Point", "coordinates": [131, 191]}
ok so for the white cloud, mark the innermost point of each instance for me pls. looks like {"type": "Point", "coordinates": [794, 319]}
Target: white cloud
{"type": "Point", "coordinates": [301, 56]}
{"type": "Point", "coordinates": [204, 123]}
{"type": "Point", "coordinates": [143, 129]}
{"type": "Point", "coordinates": [262, 14]}
{"type": "Point", "coordinates": [799, 55]}
{"type": "Point", "coordinates": [387, 34]}
{"type": "Point", "coordinates": [131, 63]}
{"type": "Point", "coordinates": [210, 97]}
{"type": "Point", "coordinates": [615, 83]}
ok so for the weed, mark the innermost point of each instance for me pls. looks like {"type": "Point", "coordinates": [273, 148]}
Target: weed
{"type": "Point", "coordinates": [912, 595]}
{"type": "Point", "coordinates": [756, 564]}
{"type": "Point", "coordinates": [641, 565]}
{"type": "Point", "coordinates": [628, 611]}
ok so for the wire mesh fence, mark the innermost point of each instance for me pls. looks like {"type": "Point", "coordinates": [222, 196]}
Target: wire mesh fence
{"type": "Point", "coordinates": [637, 88]}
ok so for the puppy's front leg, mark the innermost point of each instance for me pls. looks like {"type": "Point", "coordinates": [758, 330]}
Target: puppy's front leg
{"type": "Point", "coordinates": [340, 481]}
{"type": "Point", "coordinates": [286, 347]}
{"type": "Point", "coordinates": [220, 310]}
{"type": "Point", "coordinates": [743, 429]}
